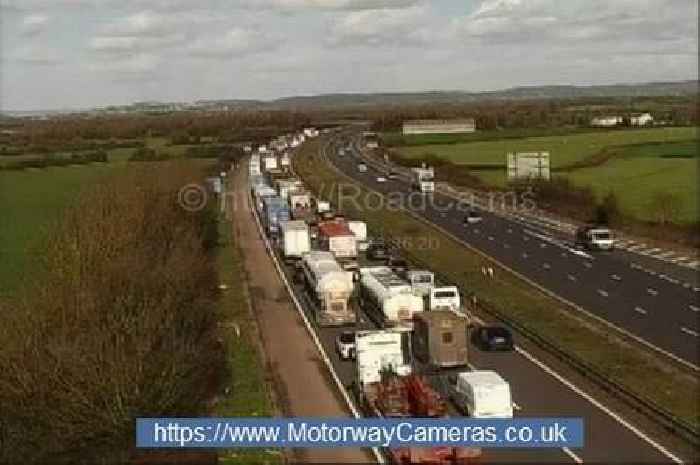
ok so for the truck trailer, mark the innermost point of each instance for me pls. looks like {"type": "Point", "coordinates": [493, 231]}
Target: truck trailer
{"type": "Point", "coordinates": [295, 240]}
{"type": "Point", "coordinates": [336, 237]}
{"type": "Point", "coordinates": [440, 338]}
{"type": "Point", "coordinates": [387, 299]}
{"type": "Point", "coordinates": [275, 211]}
{"type": "Point", "coordinates": [423, 179]}
{"type": "Point", "coordinates": [330, 288]}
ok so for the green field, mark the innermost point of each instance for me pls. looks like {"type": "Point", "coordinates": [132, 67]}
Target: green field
{"type": "Point", "coordinates": [635, 164]}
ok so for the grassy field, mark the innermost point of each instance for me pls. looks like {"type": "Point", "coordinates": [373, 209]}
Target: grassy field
{"type": "Point", "coordinates": [640, 371]}
{"type": "Point", "coordinates": [635, 164]}
{"type": "Point", "coordinates": [248, 395]}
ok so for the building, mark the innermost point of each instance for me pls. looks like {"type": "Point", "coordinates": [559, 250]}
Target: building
{"type": "Point", "coordinates": [528, 165]}
{"type": "Point", "coordinates": [606, 121]}
{"type": "Point", "coordinates": [641, 119]}
{"type": "Point", "coordinates": [439, 126]}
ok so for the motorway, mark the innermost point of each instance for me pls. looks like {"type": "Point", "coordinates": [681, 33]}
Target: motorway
{"type": "Point", "coordinates": [537, 392]}
{"type": "Point", "coordinates": [653, 306]}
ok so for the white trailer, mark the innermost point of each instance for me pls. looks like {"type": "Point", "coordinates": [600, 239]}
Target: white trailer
{"type": "Point", "coordinates": [329, 287]}
{"type": "Point", "coordinates": [423, 179]}
{"type": "Point", "coordinates": [421, 281]}
{"type": "Point", "coordinates": [378, 351]}
{"type": "Point", "coordinates": [295, 239]}
{"type": "Point", "coordinates": [387, 299]}
{"type": "Point", "coordinates": [336, 237]}
{"type": "Point", "coordinates": [482, 394]}
{"type": "Point", "coordinates": [269, 162]}
{"type": "Point", "coordinates": [286, 186]}
{"type": "Point", "coordinates": [359, 229]}
{"type": "Point", "coordinates": [260, 192]}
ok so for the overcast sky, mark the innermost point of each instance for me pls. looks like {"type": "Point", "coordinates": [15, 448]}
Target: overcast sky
{"type": "Point", "coordinates": [86, 53]}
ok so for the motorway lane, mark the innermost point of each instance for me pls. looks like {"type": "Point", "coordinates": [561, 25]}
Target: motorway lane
{"type": "Point", "coordinates": [603, 284]}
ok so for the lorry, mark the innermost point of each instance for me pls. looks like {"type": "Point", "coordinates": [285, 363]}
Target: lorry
{"type": "Point", "coordinates": [359, 229]}
{"type": "Point", "coordinates": [254, 165]}
{"type": "Point", "coordinates": [285, 162]}
{"type": "Point", "coordinates": [260, 192]}
{"type": "Point", "coordinates": [323, 206]}
{"type": "Point", "coordinates": [269, 161]}
{"type": "Point", "coordinates": [330, 288]}
{"type": "Point", "coordinates": [295, 240]}
{"type": "Point", "coordinates": [287, 185]}
{"type": "Point", "coordinates": [445, 298]}
{"type": "Point", "coordinates": [423, 179]}
{"type": "Point", "coordinates": [595, 238]}
{"type": "Point", "coordinates": [481, 394]}
{"type": "Point", "coordinates": [387, 299]}
{"type": "Point", "coordinates": [422, 282]}
{"type": "Point", "coordinates": [275, 211]}
{"type": "Point", "coordinates": [300, 203]}
{"type": "Point", "coordinates": [337, 238]}
{"type": "Point", "coordinates": [440, 338]}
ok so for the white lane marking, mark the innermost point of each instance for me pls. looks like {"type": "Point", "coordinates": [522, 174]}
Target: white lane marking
{"type": "Point", "coordinates": [635, 248]}
{"type": "Point", "coordinates": [652, 291]}
{"type": "Point", "coordinates": [635, 266]}
{"type": "Point", "coordinates": [690, 332]}
{"type": "Point", "coordinates": [640, 310]}
{"type": "Point", "coordinates": [571, 454]}
{"type": "Point", "coordinates": [603, 293]}
{"type": "Point", "coordinates": [652, 251]}
{"type": "Point", "coordinates": [600, 406]}
{"type": "Point", "coordinates": [652, 272]}
{"type": "Point", "coordinates": [616, 277]}
{"type": "Point", "coordinates": [572, 277]}
{"type": "Point", "coordinates": [694, 308]}
{"type": "Point", "coordinates": [666, 254]}
{"type": "Point", "coordinates": [680, 259]}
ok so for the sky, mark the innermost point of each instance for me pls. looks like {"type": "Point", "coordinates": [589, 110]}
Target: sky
{"type": "Point", "coordinates": [59, 54]}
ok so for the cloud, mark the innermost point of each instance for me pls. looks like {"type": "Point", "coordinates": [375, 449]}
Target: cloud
{"type": "Point", "coordinates": [408, 26]}
{"type": "Point", "coordinates": [33, 24]}
{"type": "Point", "coordinates": [137, 64]}
{"type": "Point", "coordinates": [352, 5]}
{"type": "Point", "coordinates": [236, 42]}
{"type": "Point", "coordinates": [35, 55]}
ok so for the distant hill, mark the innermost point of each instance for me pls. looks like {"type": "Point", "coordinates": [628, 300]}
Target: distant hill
{"type": "Point", "coordinates": [655, 89]}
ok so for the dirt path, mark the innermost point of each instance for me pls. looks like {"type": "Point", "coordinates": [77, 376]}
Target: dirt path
{"type": "Point", "coordinates": [297, 372]}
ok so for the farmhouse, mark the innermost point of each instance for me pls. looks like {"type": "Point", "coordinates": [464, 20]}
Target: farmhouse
{"type": "Point", "coordinates": [439, 126]}
{"type": "Point", "coordinates": [606, 121]}
{"type": "Point", "coordinates": [641, 119]}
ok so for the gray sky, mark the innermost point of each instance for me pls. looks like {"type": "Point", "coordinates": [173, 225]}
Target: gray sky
{"type": "Point", "coordinates": [86, 53]}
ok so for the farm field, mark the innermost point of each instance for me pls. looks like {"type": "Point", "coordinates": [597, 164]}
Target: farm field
{"type": "Point", "coordinates": [638, 164]}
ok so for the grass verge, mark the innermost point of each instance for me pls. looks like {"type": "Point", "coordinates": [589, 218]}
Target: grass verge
{"type": "Point", "coordinates": [640, 371]}
{"type": "Point", "coordinates": [247, 395]}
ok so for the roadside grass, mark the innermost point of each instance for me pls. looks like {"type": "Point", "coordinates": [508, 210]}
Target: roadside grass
{"type": "Point", "coordinates": [31, 201]}
{"type": "Point", "coordinates": [247, 395]}
{"type": "Point", "coordinates": [636, 368]}
{"type": "Point", "coordinates": [564, 149]}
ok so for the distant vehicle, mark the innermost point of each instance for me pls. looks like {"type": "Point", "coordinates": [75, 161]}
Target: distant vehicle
{"type": "Point", "coordinates": [330, 289]}
{"type": "Point", "coordinates": [377, 250]}
{"type": "Point", "coordinates": [345, 345]}
{"type": "Point", "coordinates": [473, 217]}
{"type": "Point", "coordinates": [362, 167]}
{"type": "Point", "coordinates": [387, 299]}
{"type": "Point", "coordinates": [323, 206]}
{"type": "Point", "coordinates": [595, 238]}
{"type": "Point", "coordinates": [398, 265]}
{"type": "Point", "coordinates": [381, 179]}
{"type": "Point", "coordinates": [359, 229]}
{"type": "Point", "coordinates": [493, 338]}
{"type": "Point", "coordinates": [392, 175]}
{"type": "Point", "coordinates": [424, 179]}
{"type": "Point", "coordinates": [440, 338]}
{"type": "Point", "coordinates": [481, 394]}
{"type": "Point", "coordinates": [296, 240]}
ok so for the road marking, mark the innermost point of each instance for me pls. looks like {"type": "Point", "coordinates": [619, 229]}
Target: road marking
{"type": "Point", "coordinates": [571, 454]}
{"type": "Point", "coordinates": [680, 259]}
{"type": "Point", "coordinates": [652, 251]}
{"type": "Point", "coordinates": [572, 277]}
{"type": "Point", "coordinates": [640, 310]}
{"type": "Point", "coordinates": [652, 291]}
{"type": "Point", "coordinates": [603, 293]}
{"type": "Point", "coordinates": [616, 277]}
{"type": "Point", "coordinates": [694, 308]}
{"type": "Point", "coordinates": [600, 406]}
{"type": "Point", "coordinates": [636, 247]}
{"type": "Point", "coordinates": [652, 272]}
{"type": "Point", "coordinates": [690, 332]}
{"type": "Point", "coordinates": [666, 254]}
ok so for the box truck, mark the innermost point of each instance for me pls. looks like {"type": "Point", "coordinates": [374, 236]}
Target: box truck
{"type": "Point", "coordinates": [387, 299]}
{"type": "Point", "coordinates": [440, 338]}
{"type": "Point", "coordinates": [337, 238]}
{"type": "Point", "coordinates": [295, 240]}
{"type": "Point", "coordinates": [423, 179]}
{"type": "Point", "coordinates": [275, 211]}
{"type": "Point", "coordinates": [359, 229]}
{"type": "Point", "coordinates": [330, 288]}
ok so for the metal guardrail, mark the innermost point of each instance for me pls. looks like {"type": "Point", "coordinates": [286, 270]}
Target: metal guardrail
{"type": "Point", "coordinates": [640, 403]}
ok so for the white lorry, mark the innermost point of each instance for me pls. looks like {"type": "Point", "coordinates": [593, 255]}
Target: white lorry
{"type": "Point", "coordinates": [269, 161]}
{"type": "Point", "coordinates": [359, 229]}
{"type": "Point", "coordinates": [330, 288]}
{"type": "Point", "coordinates": [387, 299]}
{"type": "Point", "coordinates": [336, 237]}
{"type": "Point", "coordinates": [481, 394]}
{"type": "Point", "coordinates": [254, 165]}
{"type": "Point", "coordinates": [323, 206]}
{"type": "Point", "coordinates": [295, 240]}
{"type": "Point", "coordinates": [377, 351]}
{"type": "Point", "coordinates": [595, 238]}
{"type": "Point", "coordinates": [445, 298]}
{"type": "Point", "coordinates": [421, 281]}
{"type": "Point", "coordinates": [423, 179]}
{"type": "Point", "coordinates": [260, 192]}
{"type": "Point", "coordinates": [286, 186]}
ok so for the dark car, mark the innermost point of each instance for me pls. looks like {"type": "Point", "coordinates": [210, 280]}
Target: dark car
{"type": "Point", "coordinates": [493, 338]}
{"type": "Point", "coordinates": [377, 250]}
{"type": "Point", "coordinates": [398, 265]}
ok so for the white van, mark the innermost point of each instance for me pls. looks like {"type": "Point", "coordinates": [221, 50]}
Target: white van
{"type": "Point", "coordinates": [482, 394]}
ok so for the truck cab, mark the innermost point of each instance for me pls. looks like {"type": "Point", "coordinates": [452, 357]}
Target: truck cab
{"type": "Point", "coordinates": [445, 298]}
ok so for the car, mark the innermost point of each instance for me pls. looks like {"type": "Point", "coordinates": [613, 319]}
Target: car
{"type": "Point", "coordinates": [473, 217]}
{"type": "Point", "coordinates": [345, 345]}
{"type": "Point", "coordinates": [377, 250]}
{"type": "Point", "coordinates": [362, 167]}
{"type": "Point", "coordinates": [493, 338]}
{"type": "Point", "coordinates": [381, 179]}
{"type": "Point", "coordinates": [392, 175]}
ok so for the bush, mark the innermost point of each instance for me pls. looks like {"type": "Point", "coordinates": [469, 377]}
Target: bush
{"type": "Point", "coordinates": [121, 325]}
{"type": "Point", "coordinates": [148, 154]}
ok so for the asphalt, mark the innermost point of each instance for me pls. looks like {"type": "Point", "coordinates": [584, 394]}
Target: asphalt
{"type": "Point", "coordinates": [537, 392]}
{"type": "Point", "coordinates": [655, 301]}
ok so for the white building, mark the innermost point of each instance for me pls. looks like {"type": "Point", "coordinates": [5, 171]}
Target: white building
{"type": "Point", "coordinates": [641, 119]}
{"type": "Point", "coordinates": [439, 126]}
{"type": "Point", "coordinates": [606, 121]}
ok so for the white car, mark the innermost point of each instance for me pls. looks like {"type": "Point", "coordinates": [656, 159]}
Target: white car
{"type": "Point", "coordinates": [345, 345]}
{"type": "Point", "coordinates": [362, 168]}
{"type": "Point", "coordinates": [381, 179]}
{"type": "Point", "coordinates": [472, 218]}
